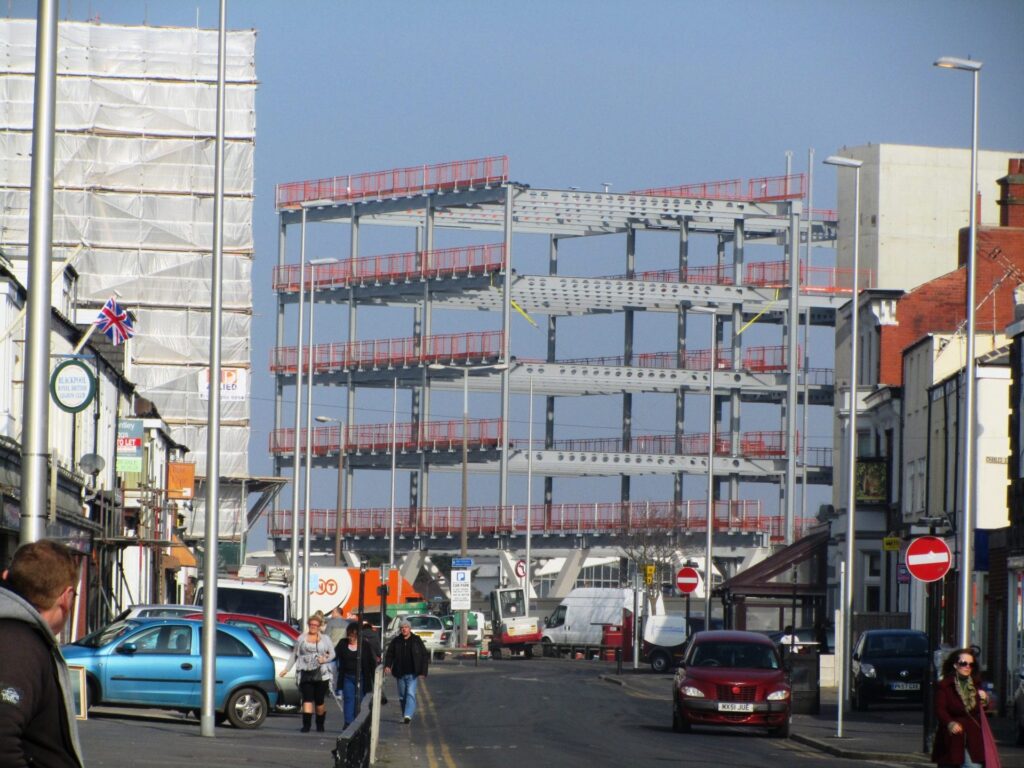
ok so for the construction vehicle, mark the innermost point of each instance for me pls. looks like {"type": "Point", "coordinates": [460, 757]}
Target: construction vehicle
{"type": "Point", "coordinates": [511, 629]}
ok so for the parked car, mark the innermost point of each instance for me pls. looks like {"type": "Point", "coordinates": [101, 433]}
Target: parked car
{"type": "Point", "coordinates": [474, 627]}
{"type": "Point", "coordinates": [155, 611]}
{"type": "Point", "coordinates": [731, 678]}
{"type": "Point", "coordinates": [428, 627]}
{"type": "Point", "coordinates": [289, 697]}
{"type": "Point", "coordinates": [275, 630]}
{"type": "Point", "coordinates": [158, 663]}
{"type": "Point", "coordinates": [888, 665]}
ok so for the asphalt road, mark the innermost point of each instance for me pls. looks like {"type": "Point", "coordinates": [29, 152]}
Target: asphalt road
{"type": "Point", "coordinates": [538, 712]}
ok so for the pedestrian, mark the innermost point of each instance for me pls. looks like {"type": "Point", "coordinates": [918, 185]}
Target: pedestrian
{"type": "Point", "coordinates": [355, 661]}
{"type": "Point", "coordinates": [37, 712]}
{"type": "Point", "coordinates": [963, 738]}
{"type": "Point", "coordinates": [407, 659]}
{"type": "Point", "coordinates": [335, 630]}
{"type": "Point", "coordinates": [312, 657]}
{"type": "Point", "coordinates": [372, 638]}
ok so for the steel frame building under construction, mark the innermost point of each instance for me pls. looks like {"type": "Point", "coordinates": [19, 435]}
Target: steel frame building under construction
{"type": "Point", "coordinates": [737, 291]}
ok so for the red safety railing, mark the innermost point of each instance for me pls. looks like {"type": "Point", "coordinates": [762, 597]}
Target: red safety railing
{"type": "Point", "coordinates": [760, 190]}
{"type": "Point", "coordinates": [755, 360]}
{"type": "Point", "coordinates": [615, 518]}
{"type": "Point", "coordinates": [398, 182]}
{"type": "Point", "coordinates": [465, 261]}
{"type": "Point", "coordinates": [829, 280]}
{"type": "Point", "coordinates": [391, 353]}
{"type": "Point", "coordinates": [759, 444]}
{"type": "Point", "coordinates": [379, 438]}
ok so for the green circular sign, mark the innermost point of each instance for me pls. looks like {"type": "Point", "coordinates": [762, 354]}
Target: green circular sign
{"type": "Point", "coordinates": [72, 386]}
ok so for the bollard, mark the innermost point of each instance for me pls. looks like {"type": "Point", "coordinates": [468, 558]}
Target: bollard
{"type": "Point", "coordinates": [618, 661]}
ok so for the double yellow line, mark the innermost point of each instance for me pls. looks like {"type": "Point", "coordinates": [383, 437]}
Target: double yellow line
{"type": "Point", "coordinates": [440, 755]}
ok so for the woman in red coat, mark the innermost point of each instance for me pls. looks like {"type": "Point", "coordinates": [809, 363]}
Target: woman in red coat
{"type": "Point", "coordinates": [959, 701]}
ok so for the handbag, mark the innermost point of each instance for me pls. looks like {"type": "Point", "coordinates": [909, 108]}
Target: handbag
{"type": "Point", "coordinates": [309, 675]}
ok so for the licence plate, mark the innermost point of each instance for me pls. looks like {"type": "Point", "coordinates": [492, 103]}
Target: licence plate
{"type": "Point", "coordinates": [731, 706]}
{"type": "Point", "coordinates": [425, 634]}
{"type": "Point", "coordinates": [905, 686]}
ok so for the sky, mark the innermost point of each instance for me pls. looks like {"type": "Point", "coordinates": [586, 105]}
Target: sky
{"type": "Point", "coordinates": [584, 92]}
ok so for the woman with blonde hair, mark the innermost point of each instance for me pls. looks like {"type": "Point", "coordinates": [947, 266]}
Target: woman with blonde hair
{"type": "Point", "coordinates": [312, 657]}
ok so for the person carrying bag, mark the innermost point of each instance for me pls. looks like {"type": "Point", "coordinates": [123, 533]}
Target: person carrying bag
{"type": "Point", "coordinates": [312, 657]}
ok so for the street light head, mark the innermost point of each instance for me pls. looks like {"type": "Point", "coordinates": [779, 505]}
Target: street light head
{"type": "Point", "coordinates": [952, 62]}
{"type": "Point", "coordinates": [318, 262]}
{"type": "Point", "coordinates": [325, 419]}
{"type": "Point", "coordinates": [843, 162]}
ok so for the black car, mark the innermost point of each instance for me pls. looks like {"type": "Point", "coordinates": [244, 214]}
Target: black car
{"type": "Point", "coordinates": [888, 665]}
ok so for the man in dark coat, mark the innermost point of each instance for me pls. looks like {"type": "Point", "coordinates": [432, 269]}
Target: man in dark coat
{"type": "Point", "coordinates": [37, 713]}
{"type": "Point", "coordinates": [407, 659]}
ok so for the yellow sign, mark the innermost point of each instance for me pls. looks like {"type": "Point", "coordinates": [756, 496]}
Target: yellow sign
{"type": "Point", "coordinates": [649, 574]}
{"type": "Point", "coordinates": [891, 543]}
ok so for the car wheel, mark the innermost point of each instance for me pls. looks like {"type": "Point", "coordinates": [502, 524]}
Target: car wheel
{"type": "Point", "coordinates": [528, 651]}
{"type": "Point", "coordinates": [860, 703]}
{"type": "Point", "coordinates": [546, 648]}
{"type": "Point", "coordinates": [782, 732]}
{"type": "Point", "coordinates": [659, 661]}
{"type": "Point", "coordinates": [679, 724]}
{"type": "Point", "coordinates": [246, 708]}
{"type": "Point", "coordinates": [496, 653]}
{"type": "Point", "coordinates": [92, 693]}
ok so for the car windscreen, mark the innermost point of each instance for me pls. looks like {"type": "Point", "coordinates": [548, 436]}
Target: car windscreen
{"type": "Point", "coordinates": [897, 646]}
{"type": "Point", "coordinates": [250, 601]}
{"type": "Point", "coordinates": [734, 655]}
{"type": "Point", "coordinates": [106, 634]}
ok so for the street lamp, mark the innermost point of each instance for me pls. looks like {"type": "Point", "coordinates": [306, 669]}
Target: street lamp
{"type": "Point", "coordinates": [314, 263]}
{"type": "Point", "coordinates": [851, 440]}
{"type": "Point", "coordinates": [340, 503]}
{"type": "Point", "coordinates": [296, 454]}
{"type": "Point", "coordinates": [464, 523]}
{"type": "Point", "coordinates": [964, 598]}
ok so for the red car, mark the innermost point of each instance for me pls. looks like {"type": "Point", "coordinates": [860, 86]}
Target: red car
{"type": "Point", "coordinates": [731, 678]}
{"type": "Point", "coordinates": [276, 630]}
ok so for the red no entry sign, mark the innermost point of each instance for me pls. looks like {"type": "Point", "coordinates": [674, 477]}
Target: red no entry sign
{"type": "Point", "coordinates": [687, 580]}
{"type": "Point", "coordinates": [928, 558]}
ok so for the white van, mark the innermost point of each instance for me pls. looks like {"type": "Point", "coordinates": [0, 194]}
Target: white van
{"type": "Point", "coordinates": [579, 619]}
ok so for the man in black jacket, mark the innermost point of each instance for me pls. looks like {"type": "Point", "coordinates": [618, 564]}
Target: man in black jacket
{"type": "Point", "coordinates": [37, 714]}
{"type": "Point", "coordinates": [407, 659]}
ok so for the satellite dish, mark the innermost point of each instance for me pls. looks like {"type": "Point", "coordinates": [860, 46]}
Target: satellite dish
{"type": "Point", "coordinates": [91, 463]}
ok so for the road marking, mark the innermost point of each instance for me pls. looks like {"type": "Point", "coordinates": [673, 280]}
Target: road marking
{"type": "Point", "coordinates": [431, 712]}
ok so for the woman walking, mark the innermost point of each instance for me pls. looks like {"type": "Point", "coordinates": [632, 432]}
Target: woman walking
{"type": "Point", "coordinates": [312, 657]}
{"type": "Point", "coordinates": [355, 659]}
{"type": "Point", "coordinates": [963, 738]}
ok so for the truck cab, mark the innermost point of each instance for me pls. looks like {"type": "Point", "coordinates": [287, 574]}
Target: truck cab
{"type": "Point", "coordinates": [512, 629]}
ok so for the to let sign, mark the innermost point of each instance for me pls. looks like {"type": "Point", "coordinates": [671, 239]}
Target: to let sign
{"type": "Point", "coordinates": [687, 580]}
{"type": "Point", "coordinates": [928, 558]}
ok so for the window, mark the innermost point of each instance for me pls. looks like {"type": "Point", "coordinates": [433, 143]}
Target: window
{"type": "Point", "coordinates": [164, 639]}
{"type": "Point", "coordinates": [230, 646]}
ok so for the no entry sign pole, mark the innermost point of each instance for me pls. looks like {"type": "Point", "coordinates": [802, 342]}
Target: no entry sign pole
{"type": "Point", "coordinates": [687, 580]}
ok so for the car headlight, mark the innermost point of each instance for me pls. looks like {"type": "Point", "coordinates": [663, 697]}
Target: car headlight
{"type": "Point", "coordinates": [780, 695]}
{"type": "Point", "coordinates": [868, 670]}
{"type": "Point", "coordinates": [693, 693]}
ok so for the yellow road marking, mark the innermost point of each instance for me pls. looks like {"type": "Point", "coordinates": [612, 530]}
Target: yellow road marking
{"type": "Point", "coordinates": [431, 712]}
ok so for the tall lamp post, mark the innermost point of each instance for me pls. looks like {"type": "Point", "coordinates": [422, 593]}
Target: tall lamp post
{"type": "Point", "coordinates": [851, 442]}
{"type": "Point", "coordinates": [314, 264]}
{"type": "Point", "coordinates": [464, 521]}
{"type": "Point", "coordinates": [340, 503]}
{"type": "Point", "coordinates": [965, 604]}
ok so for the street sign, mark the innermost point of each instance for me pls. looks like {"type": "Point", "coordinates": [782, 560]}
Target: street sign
{"type": "Point", "coordinates": [521, 568]}
{"type": "Point", "coordinates": [891, 544]}
{"type": "Point", "coordinates": [928, 558]}
{"type": "Point", "coordinates": [687, 580]}
{"type": "Point", "coordinates": [462, 590]}
{"type": "Point", "coordinates": [649, 571]}
{"type": "Point", "coordinates": [462, 562]}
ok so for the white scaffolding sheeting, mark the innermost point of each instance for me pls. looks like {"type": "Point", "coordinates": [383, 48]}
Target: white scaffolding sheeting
{"type": "Point", "coordinates": [133, 202]}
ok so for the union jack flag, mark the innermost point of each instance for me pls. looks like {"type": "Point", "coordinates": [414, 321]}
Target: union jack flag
{"type": "Point", "coordinates": [115, 323]}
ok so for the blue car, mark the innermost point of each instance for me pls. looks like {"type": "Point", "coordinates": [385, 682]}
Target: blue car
{"type": "Point", "coordinates": [157, 663]}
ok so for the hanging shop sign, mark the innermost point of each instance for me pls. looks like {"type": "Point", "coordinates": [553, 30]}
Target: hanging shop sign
{"type": "Point", "coordinates": [72, 386]}
{"type": "Point", "coordinates": [129, 445]}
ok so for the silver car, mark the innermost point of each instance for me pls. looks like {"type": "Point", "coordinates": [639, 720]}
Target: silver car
{"type": "Point", "coordinates": [428, 627]}
{"type": "Point", "coordinates": [288, 695]}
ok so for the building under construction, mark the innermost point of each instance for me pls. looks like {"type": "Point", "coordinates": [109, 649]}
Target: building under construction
{"type": "Point", "coordinates": [637, 255]}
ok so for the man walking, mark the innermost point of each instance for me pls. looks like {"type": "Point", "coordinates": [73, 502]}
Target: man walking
{"type": "Point", "coordinates": [37, 713]}
{"type": "Point", "coordinates": [407, 659]}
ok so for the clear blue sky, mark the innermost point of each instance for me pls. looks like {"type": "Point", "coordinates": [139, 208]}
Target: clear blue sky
{"type": "Point", "coordinates": [578, 93]}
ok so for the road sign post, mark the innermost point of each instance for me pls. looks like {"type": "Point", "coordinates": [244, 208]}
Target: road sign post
{"type": "Point", "coordinates": [687, 580]}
